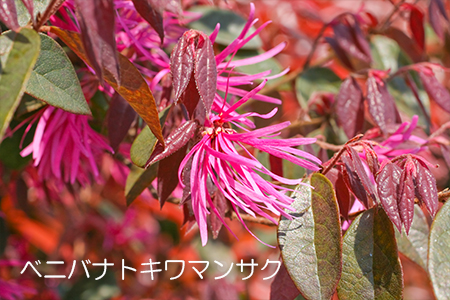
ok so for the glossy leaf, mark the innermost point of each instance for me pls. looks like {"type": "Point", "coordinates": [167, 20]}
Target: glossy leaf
{"type": "Point", "coordinates": [406, 196]}
{"type": "Point", "coordinates": [426, 189]}
{"type": "Point", "coordinates": [138, 180]}
{"type": "Point", "coordinates": [231, 25]}
{"type": "Point", "coordinates": [132, 88]}
{"type": "Point", "coordinates": [120, 117]}
{"type": "Point", "coordinates": [181, 66]}
{"type": "Point", "coordinates": [282, 287]}
{"type": "Point", "coordinates": [388, 182]}
{"type": "Point", "coordinates": [97, 25]}
{"type": "Point", "coordinates": [205, 74]}
{"type": "Point", "coordinates": [438, 254]}
{"type": "Point", "coordinates": [353, 182]}
{"type": "Point", "coordinates": [144, 144]}
{"type": "Point", "coordinates": [415, 244]}
{"type": "Point", "coordinates": [55, 81]}
{"type": "Point", "coordinates": [350, 107]}
{"type": "Point", "coordinates": [151, 15]}
{"type": "Point", "coordinates": [317, 80]}
{"type": "Point", "coordinates": [311, 243]}
{"type": "Point", "coordinates": [168, 174]}
{"type": "Point", "coordinates": [371, 268]}
{"type": "Point", "coordinates": [18, 54]}
{"type": "Point", "coordinates": [381, 104]}
{"type": "Point", "coordinates": [8, 14]}
{"type": "Point", "coordinates": [175, 141]}
{"type": "Point", "coordinates": [435, 90]}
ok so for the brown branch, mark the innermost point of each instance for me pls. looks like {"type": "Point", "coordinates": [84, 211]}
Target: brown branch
{"type": "Point", "coordinates": [440, 131]}
{"type": "Point", "coordinates": [314, 47]}
{"type": "Point", "coordinates": [51, 9]}
{"type": "Point", "coordinates": [249, 218]}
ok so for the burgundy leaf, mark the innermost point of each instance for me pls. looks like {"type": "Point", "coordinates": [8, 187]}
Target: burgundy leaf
{"type": "Point", "coordinates": [406, 43]}
{"type": "Point", "coordinates": [381, 104]}
{"type": "Point", "coordinates": [416, 25]}
{"type": "Point", "coordinates": [345, 39]}
{"type": "Point", "coordinates": [350, 107]}
{"type": "Point", "coordinates": [406, 198]}
{"type": "Point", "coordinates": [362, 174]}
{"type": "Point", "coordinates": [388, 181]}
{"type": "Point", "coordinates": [276, 165]}
{"type": "Point", "coordinates": [150, 14]}
{"type": "Point", "coordinates": [446, 154]}
{"type": "Point", "coordinates": [168, 174]}
{"type": "Point", "coordinates": [205, 73]}
{"type": "Point", "coordinates": [361, 40]}
{"type": "Point", "coordinates": [435, 90]}
{"type": "Point", "coordinates": [340, 53]}
{"type": "Point", "coordinates": [120, 117]}
{"type": "Point", "coordinates": [175, 141]}
{"type": "Point", "coordinates": [97, 32]}
{"type": "Point", "coordinates": [353, 182]}
{"type": "Point", "coordinates": [342, 192]}
{"type": "Point", "coordinates": [435, 19]}
{"type": "Point", "coordinates": [220, 204]}
{"type": "Point", "coordinates": [29, 5]}
{"type": "Point", "coordinates": [190, 97]}
{"type": "Point", "coordinates": [186, 179]}
{"type": "Point", "coordinates": [8, 14]}
{"type": "Point", "coordinates": [283, 287]}
{"type": "Point", "coordinates": [426, 189]}
{"type": "Point", "coordinates": [181, 66]}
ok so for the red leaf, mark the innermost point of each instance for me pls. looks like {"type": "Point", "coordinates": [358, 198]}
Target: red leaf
{"type": "Point", "coordinates": [175, 141]}
{"type": "Point", "coordinates": [342, 192]}
{"type": "Point", "coordinates": [406, 43]}
{"type": "Point", "coordinates": [190, 97]}
{"type": "Point", "coordinates": [282, 287]}
{"type": "Point", "coordinates": [362, 174]}
{"type": "Point", "coordinates": [340, 53]}
{"type": "Point", "coordinates": [381, 104]}
{"type": "Point", "coordinates": [220, 203]}
{"type": "Point", "coordinates": [181, 66]}
{"type": "Point", "coordinates": [435, 90]}
{"type": "Point", "coordinates": [168, 174]}
{"type": "Point", "coordinates": [416, 25]}
{"type": "Point", "coordinates": [426, 189]}
{"type": "Point", "coordinates": [205, 73]}
{"type": "Point", "coordinates": [148, 12]}
{"type": "Point", "coordinates": [388, 181]}
{"type": "Point", "coordinates": [120, 117]}
{"type": "Point", "coordinates": [353, 182]}
{"type": "Point", "coordinates": [349, 107]}
{"type": "Point", "coordinates": [361, 40]}
{"type": "Point", "coordinates": [276, 165]}
{"type": "Point", "coordinates": [8, 14]}
{"type": "Point", "coordinates": [345, 37]}
{"type": "Point", "coordinates": [97, 31]}
{"type": "Point", "coordinates": [406, 197]}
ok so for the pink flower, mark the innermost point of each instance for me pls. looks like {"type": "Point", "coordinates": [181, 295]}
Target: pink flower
{"type": "Point", "coordinates": [236, 173]}
{"type": "Point", "coordinates": [65, 147]}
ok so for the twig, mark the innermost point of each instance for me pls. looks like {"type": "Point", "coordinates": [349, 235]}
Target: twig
{"type": "Point", "coordinates": [388, 19]}
{"type": "Point", "coordinates": [314, 47]}
{"type": "Point", "coordinates": [440, 131]}
{"type": "Point", "coordinates": [249, 218]}
{"type": "Point", "coordinates": [53, 6]}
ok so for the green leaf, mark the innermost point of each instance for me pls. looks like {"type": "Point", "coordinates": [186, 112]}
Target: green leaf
{"type": "Point", "coordinates": [231, 25]}
{"type": "Point", "coordinates": [104, 288]}
{"type": "Point", "coordinates": [438, 253]}
{"type": "Point", "coordinates": [23, 15]}
{"type": "Point", "coordinates": [138, 180]}
{"type": "Point", "coordinates": [18, 54]}
{"type": "Point", "coordinates": [54, 80]}
{"type": "Point", "coordinates": [415, 245]}
{"type": "Point", "coordinates": [310, 243]}
{"type": "Point", "coordinates": [371, 268]}
{"type": "Point", "coordinates": [145, 142]}
{"type": "Point", "coordinates": [316, 80]}
{"type": "Point", "coordinates": [10, 147]}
